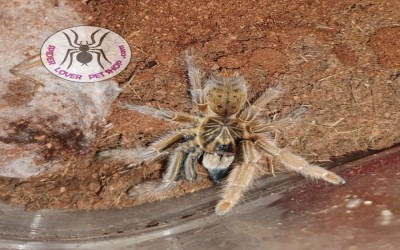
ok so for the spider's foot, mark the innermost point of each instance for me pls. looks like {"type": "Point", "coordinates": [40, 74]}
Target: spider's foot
{"type": "Point", "coordinates": [223, 207]}
{"type": "Point", "coordinates": [333, 178]}
{"type": "Point", "coordinates": [152, 190]}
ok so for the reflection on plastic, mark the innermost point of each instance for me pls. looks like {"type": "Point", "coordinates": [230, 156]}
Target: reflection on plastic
{"type": "Point", "coordinates": [281, 213]}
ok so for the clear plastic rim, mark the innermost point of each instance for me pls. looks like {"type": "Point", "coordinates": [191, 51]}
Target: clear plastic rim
{"type": "Point", "coordinates": [136, 226]}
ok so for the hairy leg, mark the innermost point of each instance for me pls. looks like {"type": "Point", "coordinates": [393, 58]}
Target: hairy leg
{"type": "Point", "coordinates": [153, 152]}
{"type": "Point", "coordinates": [190, 170]}
{"type": "Point", "coordinates": [296, 163]}
{"type": "Point", "coordinates": [290, 120]}
{"type": "Point", "coordinates": [252, 111]}
{"type": "Point", "coordinates": [163, 114]}
{"type": "Point", "coordinates": [177, 165]}
{"type": "Point", "coordinates": [239, 179]}
{"type": "Point", "coordinates": [195, 80]}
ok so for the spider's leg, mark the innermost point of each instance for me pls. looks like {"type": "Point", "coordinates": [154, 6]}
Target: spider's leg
{"type": "Point", "coordinates": [190, 170]}
{"type": "Point", "coordinates": [154, 152]}
{"type": "Point", "coordinates": [18, 70]}
{"type": "Point", "coordinates": [152, 190]}
{"type": "Point", "coordinates": [277, 125]}
{"type": "Point", "coordinates": [98, 58]}
{"type": "Point", "coordinates": [239, 179]}
{"type": "Point", "coordinates": [71, 59]}
{"type": "Point", "coordinates": [69, 40]}
{"type": "Point", "coordinates": [76, 38]}
{"type": "Point", "coordinates": [67, 54]}
{"type": "Point", "coordinates": [92, 38]}
{"type": "Point", "coordinates": [297, 163]}
{"type": "Point", "coordinates": [176, 162]}
{"type": "Point", "coordinates": [103, 54]}
{"type": "Point", "coordinates": [195, 78]}
{"type": "Point", "coordinates": [252, 111]}
{"type": "Point", "coordinates": [289, 120]}
{"type": "Point", "coordinates": [167, 115]}
{"type": "Point", "coordinates": [162, 189]}
{"type": "Point", "coordinates": [101, 40]}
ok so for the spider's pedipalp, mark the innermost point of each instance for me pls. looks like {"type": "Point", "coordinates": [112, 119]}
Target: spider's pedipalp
{"type": "Point", "coordinates": [190, 170]}
{"type": "Point", "coordinates": [296, 163]}
{"type": "Point", "coordinates": [239, 179]}
{"type": "Point", "coordinates": [182, 161]}
{"type": "Point", "coordinates": [167, 115]}
{"type": "Point", "coordinates": [252, 111]}
{"type": "Point", "coordinates": [176, 161]}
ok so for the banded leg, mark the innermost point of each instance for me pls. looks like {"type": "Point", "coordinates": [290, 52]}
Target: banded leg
{"type": "Point", "coordinates": [252, 111]}
{"type": "Point", "coordinates": [183, 162]}
{"type": "Point", "coordinates": [277, 125]}
{"type": "Point", "coordinates": [195, 80]}
{"type": "Point", "coordinates": [163, 114]}
{"type": "Point", "coordinates": [176, 166]}
{"type": "Point", "coordinates": [154, 152]}
{"type": "Point", "coordinates": [296, 163]}
{"type": "Point", "coordinates": [239, 179]}
{"type": "Point", "coordinates": [190, 169]}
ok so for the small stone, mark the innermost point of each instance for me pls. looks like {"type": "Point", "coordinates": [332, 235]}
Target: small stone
{"type": "Point", "coordinates": [353, 203]}
{"type": "Point", "coordinates": [367, 203]}
{"type": "Point", "coordinates": [39, 137]}
{"type": "Point", "coordinates": [386, 217]}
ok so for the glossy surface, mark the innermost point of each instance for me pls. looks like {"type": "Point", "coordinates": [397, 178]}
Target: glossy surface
{"type": "Point", "coordinates": [280, 213]}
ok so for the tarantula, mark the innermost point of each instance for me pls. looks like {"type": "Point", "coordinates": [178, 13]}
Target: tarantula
{"type": "Point", "coordinates": [228, 133]}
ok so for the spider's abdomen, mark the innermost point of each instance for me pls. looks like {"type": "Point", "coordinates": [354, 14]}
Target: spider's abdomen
{"type": "Point", "coordinates": [225, 95]}
{"type": "Point", "coordinates": [84, 57]}
{"type": "Point", "coordinates": [218, 135]}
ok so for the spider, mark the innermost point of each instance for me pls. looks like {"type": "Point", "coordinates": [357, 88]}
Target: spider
{"type": "Point", "coordinates": [84, 51]}
{"type": "Point", "coordinates": [228, 134]}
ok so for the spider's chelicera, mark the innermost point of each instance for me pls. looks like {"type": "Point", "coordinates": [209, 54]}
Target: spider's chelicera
{"type": "Point", "coordinates": [227, 133]}
{"type": "Point", "coordinates": [84, 51]}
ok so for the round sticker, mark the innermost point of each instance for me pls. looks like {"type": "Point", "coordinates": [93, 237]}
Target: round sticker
{"type": "Point", "coordinates": [85, 54]}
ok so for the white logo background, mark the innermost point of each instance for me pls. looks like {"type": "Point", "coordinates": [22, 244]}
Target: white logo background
{"type": "Point", "coordinates": [85, 54]}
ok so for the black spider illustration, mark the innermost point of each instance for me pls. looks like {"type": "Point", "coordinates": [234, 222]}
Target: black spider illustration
{"type": "Point", "coordinates": [85, 51]}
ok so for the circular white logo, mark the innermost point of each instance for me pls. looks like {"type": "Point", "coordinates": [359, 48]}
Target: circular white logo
{"type": "Point", "coordinates": [85, 54]}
